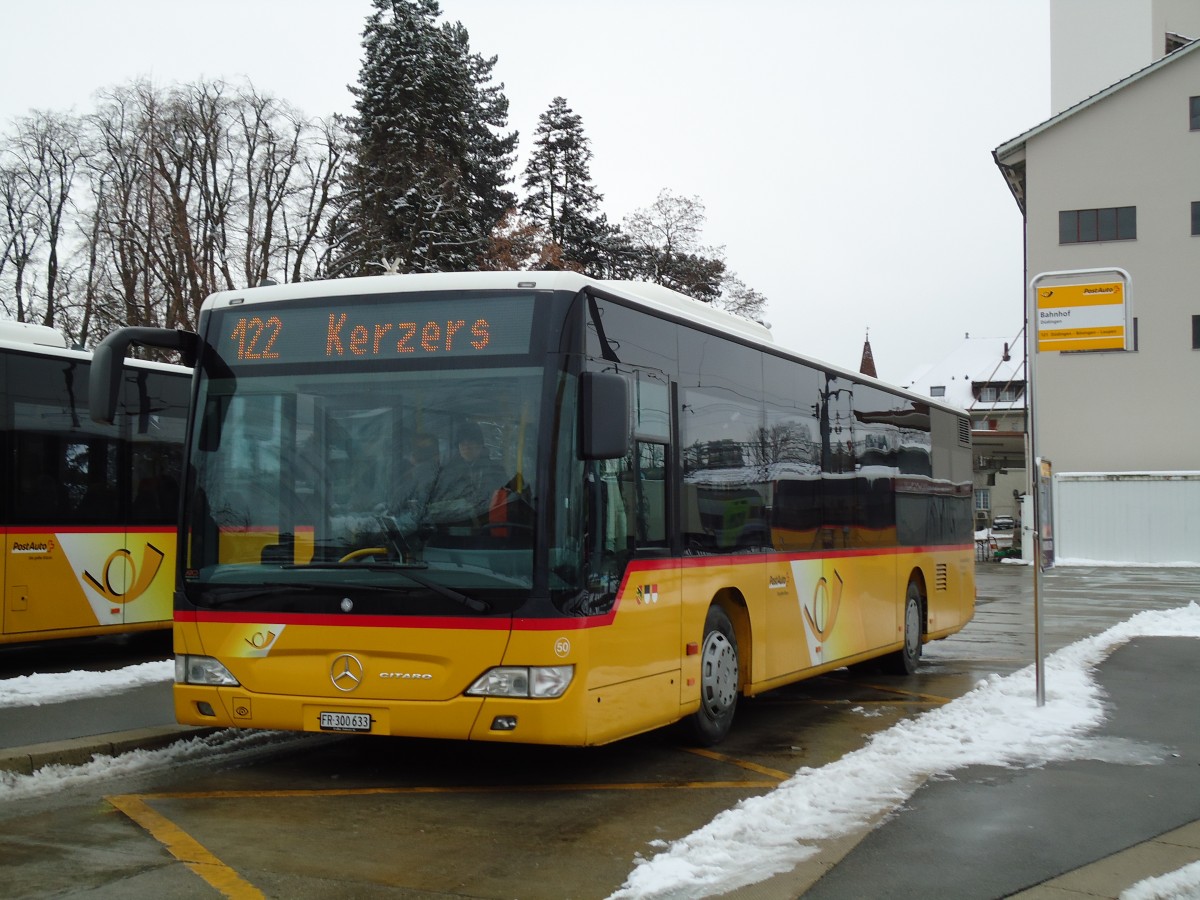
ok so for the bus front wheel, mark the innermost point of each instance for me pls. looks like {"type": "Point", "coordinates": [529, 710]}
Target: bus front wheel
{"type": "Point", "coordinates": [905, 660]}
{"type": "Point", "coordinates": [718, 679]}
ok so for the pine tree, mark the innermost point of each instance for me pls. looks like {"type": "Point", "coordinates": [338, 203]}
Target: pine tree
{"type": "Point", "coordinates": [427, 183]}
{"type": "Point", "coordinates": [490, 152]}
{"type": "Point", "coordinates": [560, 195]}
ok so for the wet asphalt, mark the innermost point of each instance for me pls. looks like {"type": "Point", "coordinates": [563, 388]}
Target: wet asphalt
{"type": "Point", "coordinates": [1084, 828]}
{"type": "Point", "coordinates": [992, 832]}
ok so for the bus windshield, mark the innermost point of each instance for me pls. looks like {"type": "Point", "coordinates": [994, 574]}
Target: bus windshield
{"type": "Point", "coordinates": [421, 481]}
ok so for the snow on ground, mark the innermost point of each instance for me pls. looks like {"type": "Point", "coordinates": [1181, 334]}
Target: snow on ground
{"type": "Point", "coordinates": [998, 723]}
{"type": "Point", "coordinates": [228, 743]}
{"type": "Point", "coordinates": [1103, 563]}
{"type": "Point", "coordinates": [1183, 884]}
{"type": "Point", "coordinates": [35, 690]}
{"type": "Point", "coordinates": [58, 687]}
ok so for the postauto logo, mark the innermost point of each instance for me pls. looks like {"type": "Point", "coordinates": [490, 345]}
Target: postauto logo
{"type": "Point", "coordinates": [33, 547]}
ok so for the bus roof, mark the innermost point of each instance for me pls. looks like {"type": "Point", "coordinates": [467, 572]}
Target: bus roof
{"type": "Point", "coordinates": [646, 294]}
{"type": "Point", "coordinates": [27, 333]}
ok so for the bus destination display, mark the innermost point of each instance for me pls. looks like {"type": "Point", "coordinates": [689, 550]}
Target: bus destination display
{"type": "Point", "coordinates": [397, 329]}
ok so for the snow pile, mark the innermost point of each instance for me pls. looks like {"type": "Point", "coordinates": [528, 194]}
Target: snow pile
{"type": "Point", "coordinates": [1183, 884]}
{"type": "Point", "coordinates": [228, 743]}
{"type": "Point", "coordinates": [57, 687]}
{"type": "Point", "coordinates": [998, 723]}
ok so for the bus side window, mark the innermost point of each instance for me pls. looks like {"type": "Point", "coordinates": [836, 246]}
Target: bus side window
{"type": "Point", "coordinates": [644, 496]}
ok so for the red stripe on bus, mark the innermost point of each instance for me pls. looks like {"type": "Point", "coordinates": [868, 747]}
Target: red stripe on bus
{"type": "Point", "coordinates": [573, 623]}
{"type": "Point", "coordinates": [89, 529]}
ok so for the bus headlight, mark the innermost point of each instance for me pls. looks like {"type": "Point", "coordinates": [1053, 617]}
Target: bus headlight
{"type": "Point", "coordinates": [536, 682]}
{"type": "Point", "coordinates": [202, 670]}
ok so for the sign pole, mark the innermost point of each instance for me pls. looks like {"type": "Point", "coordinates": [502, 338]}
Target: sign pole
{"type": "Point", "coordinates": [1031, 466]}
{"type": "Point", "coordinates": [1072, 310]}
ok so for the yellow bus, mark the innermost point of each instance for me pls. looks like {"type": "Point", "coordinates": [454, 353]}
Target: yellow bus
{"type": "Point", "coordinates": [535, 507]}
{"type": "Point", "coordinates": [88, 511]}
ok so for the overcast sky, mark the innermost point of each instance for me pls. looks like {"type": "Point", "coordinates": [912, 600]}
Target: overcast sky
{"type": "Point", "coordinates": [843, 150]}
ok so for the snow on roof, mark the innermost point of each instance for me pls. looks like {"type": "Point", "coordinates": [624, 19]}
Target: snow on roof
{"type": "Point", "coordinates": [974, 361]}
{"type": "Point", "coordinates": [26, 333]}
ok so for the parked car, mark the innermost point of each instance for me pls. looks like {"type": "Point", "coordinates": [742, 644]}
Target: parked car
{"type": "Point", "coordinates": [1003, 523]}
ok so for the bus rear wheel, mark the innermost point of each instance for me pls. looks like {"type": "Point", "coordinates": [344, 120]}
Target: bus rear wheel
{"type": "Point", "coordinates": [905, 660]}
{"type": "Point", "coordinates": [718, 679]}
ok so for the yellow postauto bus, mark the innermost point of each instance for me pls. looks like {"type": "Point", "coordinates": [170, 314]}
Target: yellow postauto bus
{"type": "Point", "coordinates": [535, 507]}
{"type": "Point", "coordinates": [88, 511]}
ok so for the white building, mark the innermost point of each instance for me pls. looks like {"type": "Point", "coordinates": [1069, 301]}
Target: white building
{"type": "Point", "coordinates": [1114, 181]}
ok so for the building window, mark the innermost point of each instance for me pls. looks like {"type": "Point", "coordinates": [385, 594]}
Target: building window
{"type": "Point", "coordinates": [1010, 395]}
{"type": "Point", "coordinates": [938, 390]}
{"type": "Point", "coordinates": [1194, 112]}
{"type": "Point", "coordinates": [1195, 217]}
{"type": "Point", "coordinates": [1113, 223]}
{"type": "Point", "coordinates": [1196, 332]}
{"type": "Point", "coordinates": [983, 499]}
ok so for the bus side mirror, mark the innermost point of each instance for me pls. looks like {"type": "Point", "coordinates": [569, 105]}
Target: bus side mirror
{"type": "Point", "coordinates": [603, 416]}
{"type": "Point", "coordinates": [104, 381]}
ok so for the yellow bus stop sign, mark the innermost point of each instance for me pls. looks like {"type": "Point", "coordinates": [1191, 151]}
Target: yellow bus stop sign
{"type": "Point", "coordinates": [1081, 316]}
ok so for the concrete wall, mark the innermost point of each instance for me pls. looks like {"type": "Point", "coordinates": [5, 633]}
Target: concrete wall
{"type": "Point", "coordinates": [1130, 517]}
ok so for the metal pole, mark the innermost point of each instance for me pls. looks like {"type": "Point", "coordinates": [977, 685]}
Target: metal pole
{"type": "Point", "coordinates": [1035, 487]}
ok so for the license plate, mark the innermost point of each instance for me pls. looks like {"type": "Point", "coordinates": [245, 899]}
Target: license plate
{"type": "Point", "coordinates": [341, 721]}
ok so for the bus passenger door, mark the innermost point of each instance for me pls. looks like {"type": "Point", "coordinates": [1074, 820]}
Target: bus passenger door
{"type": "Point", "coordinates": [636, 661]}
{"type": "Point", "coordinates": [155, 410]}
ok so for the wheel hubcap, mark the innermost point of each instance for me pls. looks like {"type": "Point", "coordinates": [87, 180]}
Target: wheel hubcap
{"type": "Point", "coordinates": [718, 678]}
{"type": "Point", "coordinates": [912, 627]}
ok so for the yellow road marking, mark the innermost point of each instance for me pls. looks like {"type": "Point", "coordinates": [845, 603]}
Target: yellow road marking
{"type": "Point", "coordinates": [185, 848]}
{"type": "Point", "coordinates": [929, 698]}
{"type": "Point", "coordinates": [223, 878]}
{"type": "Point", "coordinates": [838, 701]}
{"type": "Point", "coordinates": [455, 789]}
{"type": "Point", "coordinates": [753, 767]}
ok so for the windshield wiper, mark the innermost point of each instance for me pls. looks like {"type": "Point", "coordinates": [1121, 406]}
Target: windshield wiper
{"type": "Point", "coordinates": [266, 589]}
{"type": "Point", "coordinates": [404, 569]}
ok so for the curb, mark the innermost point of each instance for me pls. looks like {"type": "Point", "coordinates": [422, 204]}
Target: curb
{"type": "Point", "coordinates": [78, 751]}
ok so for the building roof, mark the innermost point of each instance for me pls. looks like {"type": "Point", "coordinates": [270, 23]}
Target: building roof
{"type": "Point", "coordinates": [1010, 156]}
{"type": "Point", "coordinates": [975, 361]}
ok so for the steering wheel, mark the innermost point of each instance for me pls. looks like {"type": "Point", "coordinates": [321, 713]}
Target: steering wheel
{"type": "Point", "coordinates": [364, 552]}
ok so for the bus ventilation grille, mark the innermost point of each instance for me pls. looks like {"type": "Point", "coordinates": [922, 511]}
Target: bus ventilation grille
{"type": "Point", "coordinates": [964, 432]}
{"type": "Point", "coordinates": [942, 576]}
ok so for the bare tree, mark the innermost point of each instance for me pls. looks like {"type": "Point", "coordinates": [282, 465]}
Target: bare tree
{"type": "Point", "coordinates": [45, 154]}
{"type": "Point", "coordinates": [307, 216]}
{"type": "Point", "coordinates": [20, 234]}
{"type": "Point", "coordinates": [137, 212]}
{"type": "Point", "coordinates": [667, 248]}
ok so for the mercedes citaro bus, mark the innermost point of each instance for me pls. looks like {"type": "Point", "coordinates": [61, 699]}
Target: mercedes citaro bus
{"type": "Point", "coordinates": [674, 512]}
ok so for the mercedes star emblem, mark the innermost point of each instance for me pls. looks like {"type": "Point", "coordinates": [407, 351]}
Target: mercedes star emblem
{"type": "Point", "coordinates": [346, 673]}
